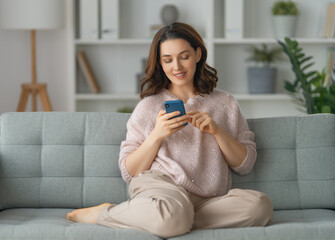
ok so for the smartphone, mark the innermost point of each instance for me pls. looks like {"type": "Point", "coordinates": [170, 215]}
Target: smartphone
{"type": "Point", "coordinates": [175, 105]}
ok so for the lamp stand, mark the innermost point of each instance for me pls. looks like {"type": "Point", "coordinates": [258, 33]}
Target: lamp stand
{"type": "Point", "coordinates": [33, 88]}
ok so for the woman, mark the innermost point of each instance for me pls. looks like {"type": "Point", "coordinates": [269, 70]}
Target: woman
{"type": "Point", "coordinates": [180, 175]}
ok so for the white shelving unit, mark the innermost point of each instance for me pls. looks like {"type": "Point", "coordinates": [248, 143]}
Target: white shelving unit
{"type": "Point", "coordinates": [116, 62]}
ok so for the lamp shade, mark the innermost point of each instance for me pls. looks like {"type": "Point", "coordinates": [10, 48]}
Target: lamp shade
{"type": "Point", "coordinates": [31, 14]}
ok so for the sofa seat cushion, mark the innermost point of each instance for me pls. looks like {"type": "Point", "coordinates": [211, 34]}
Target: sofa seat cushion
{"type": "Point", "coordinates": [309, 224]}
{"type": "Point", "coordinates": [44, 223]}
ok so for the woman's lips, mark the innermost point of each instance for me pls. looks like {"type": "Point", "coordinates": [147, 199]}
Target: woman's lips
{"type": "Point", "coordinates": [180, 75]}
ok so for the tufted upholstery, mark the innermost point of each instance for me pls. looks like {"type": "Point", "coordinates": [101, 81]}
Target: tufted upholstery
{"type": "Point", "coordinates": [61, 159]}
{"type": "Point", "coordinates": [50, 223]}
{"type": "Point", "coordinates": [53, 162]}
{"type": "Point", "coordinates": [295, 164]}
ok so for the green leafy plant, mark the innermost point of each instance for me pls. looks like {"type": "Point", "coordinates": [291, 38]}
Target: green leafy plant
{"type": "Point", "coordinates": [311, 88]}
{"type": "Point", "coordinates": [285, 8]}
{"type": "Point", "coordinates": [125, 110]}
{"type": "Point", "coordinates": [264, 55]}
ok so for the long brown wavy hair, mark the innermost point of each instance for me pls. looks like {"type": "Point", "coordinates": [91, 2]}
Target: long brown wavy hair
{"type": "Point", "coordinates": [155, 80]}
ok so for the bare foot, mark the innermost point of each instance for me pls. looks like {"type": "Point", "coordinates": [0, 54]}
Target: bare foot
{"type": "Point", "coordinates": [86, 215]}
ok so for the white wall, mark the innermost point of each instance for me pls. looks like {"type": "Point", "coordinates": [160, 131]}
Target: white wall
{"type": "Point", "coordinates": [53, 53]}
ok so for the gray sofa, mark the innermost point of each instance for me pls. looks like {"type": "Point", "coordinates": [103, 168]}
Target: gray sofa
{"type": "Point", "coordinates": [52, 163]}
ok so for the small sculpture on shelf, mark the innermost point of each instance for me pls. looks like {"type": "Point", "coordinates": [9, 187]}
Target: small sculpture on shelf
{"type": "Point", "coordinates": [169, 14]}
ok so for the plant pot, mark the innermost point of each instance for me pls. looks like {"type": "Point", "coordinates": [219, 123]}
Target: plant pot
{"type": "Point", "coordinates": [262, 79]}
{"type": "Point", "coordinates": [284, 25]}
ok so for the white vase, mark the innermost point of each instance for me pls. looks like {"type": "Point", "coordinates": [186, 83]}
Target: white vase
{"type": "Point", "coordinates": [284, 25]}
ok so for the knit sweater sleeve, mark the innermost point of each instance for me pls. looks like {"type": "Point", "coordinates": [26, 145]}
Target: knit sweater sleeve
{"type": "Point", "coordinates": [134, 138]}
{"type": "Point", "coordinates": [246, 137]}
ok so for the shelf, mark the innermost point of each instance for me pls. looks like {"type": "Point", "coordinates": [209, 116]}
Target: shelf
{"type": "Point", "coordinates": [130, 41]}
{"type": "Point", "coordinates": [273, 41]}
{"type": "Point", "coordinates": [118, 62]}
{"type": "Point", "coordinates": [100, 96]}
{"type": "Point", "coordinates": [113, 42]}
{"type": "Point", "coordinates": [261, 97]}
{"type": "Point", "coordinates": [134, 96]}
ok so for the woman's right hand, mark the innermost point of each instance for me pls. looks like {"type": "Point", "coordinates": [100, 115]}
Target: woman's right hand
{"type": "Point", "coordinates": [141, 159]}
{"type": "Point", "coordinates": [166, 125]}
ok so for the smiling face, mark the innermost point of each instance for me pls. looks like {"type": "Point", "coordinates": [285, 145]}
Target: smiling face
{"type": "Point", "coordinates": [179, 61]}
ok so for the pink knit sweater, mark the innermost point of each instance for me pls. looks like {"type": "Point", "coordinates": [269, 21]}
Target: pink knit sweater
{"type": "Point", "coordinates": [191, 158]}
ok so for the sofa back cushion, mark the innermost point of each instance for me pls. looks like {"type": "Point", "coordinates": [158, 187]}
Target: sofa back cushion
{"type": "Point", "coordinates": [61, 159]}
{"type": "Point", "coordinates": [296, 161]}
{"type": "Point", "coordinates": [71, 160]}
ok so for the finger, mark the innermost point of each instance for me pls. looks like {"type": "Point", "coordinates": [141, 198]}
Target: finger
{"type": "Point", "coordinates": [181, 118]}
{"type": "Point", "coordinates": [195, 118]}
{"type": "Point", "coordinates": [161, 112]}
{"type": "Point", "coordinates": [200, 120]}
{"type": "Point", "coordinates": [178, 124]}
{"type": "Point", "coordinates": [177, 129]}
{"type": "Point", "coordinates": [204, 124]}
{"type": "Point", "coordinates": [172, 114]}
{"type": "Point", "coordinates": [197, 115]}
{"type": "Point", "coordinates": [160, 115]}
{"type": "Point", "coordinates": [191, 113]}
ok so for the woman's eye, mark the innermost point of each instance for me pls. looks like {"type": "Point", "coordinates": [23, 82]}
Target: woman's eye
{"type": "Point", "coordinates": [167, 61]}
{"type": "Point", "coordinates": [184, 57]}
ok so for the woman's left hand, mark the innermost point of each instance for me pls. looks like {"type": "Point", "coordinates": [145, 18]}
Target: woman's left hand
{"type": "Point", "coordinates": [203, 121]}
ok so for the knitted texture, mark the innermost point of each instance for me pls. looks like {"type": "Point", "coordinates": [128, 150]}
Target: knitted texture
{"type": "Point", "coordinates": [190, 157]}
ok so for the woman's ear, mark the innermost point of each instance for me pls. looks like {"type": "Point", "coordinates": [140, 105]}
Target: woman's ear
{"type": "Point", "coordinates": [198, 54]}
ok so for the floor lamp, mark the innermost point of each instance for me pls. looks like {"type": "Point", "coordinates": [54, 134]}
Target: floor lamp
{"type": "Point", "coordinates": [32, 15]}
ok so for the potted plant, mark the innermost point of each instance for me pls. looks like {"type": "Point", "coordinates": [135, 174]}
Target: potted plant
{"type": "Point", "coordinates": [262, 77]}
{"type": "Point", "coordinates": [284, 18]}
{"type": "Point", "coordinates": [312, 89]}
{"type": "Point", "coordinates": [126, 109]}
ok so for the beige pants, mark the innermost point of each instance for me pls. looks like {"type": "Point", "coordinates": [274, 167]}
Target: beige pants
{"type": "Point", "coordinates": [159, 206]}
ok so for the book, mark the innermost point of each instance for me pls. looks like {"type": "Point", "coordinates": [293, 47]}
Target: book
{"type": "Point", "coordinates": [328, 29]}
{"type": "Point", "coordinates": [233, 19]}
{"type": "Point", "coordinates": [330, 69]}
{"type": "Point", "coordinates": [109, 19]}
{"type": "Point", "coordinates": [87, 71]}
{"type": "Point", "coordinates": [89, 19]}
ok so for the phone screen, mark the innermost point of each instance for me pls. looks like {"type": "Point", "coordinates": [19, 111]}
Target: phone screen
{"type": "Point", "coordinates": [175, 105]}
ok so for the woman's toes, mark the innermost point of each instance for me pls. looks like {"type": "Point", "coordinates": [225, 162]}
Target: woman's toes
{"type": "Point", "coordinates": [69, 216]}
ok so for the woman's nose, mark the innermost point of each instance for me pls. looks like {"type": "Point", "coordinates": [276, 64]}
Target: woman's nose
{"type": "Point", "coordinates": [177, 65]}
